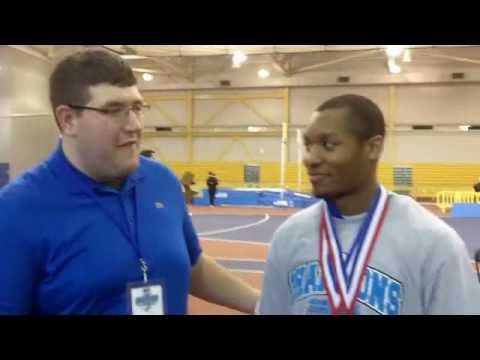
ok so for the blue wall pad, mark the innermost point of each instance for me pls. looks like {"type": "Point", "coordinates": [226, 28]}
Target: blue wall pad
{"type": "Point", "coordinates": [465, 211]}
{"type": "Point", "coordinates": [256, 197]}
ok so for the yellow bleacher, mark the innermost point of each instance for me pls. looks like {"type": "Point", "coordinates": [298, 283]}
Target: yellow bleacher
{"type": "Point", "coordinates": [385, 175]}
{"type": "Point", "coordinates": [428, 179]}
{"type": "Point", "coordinates": [230, 174]}
{"type": "Point", "coordinates": [446, 199]}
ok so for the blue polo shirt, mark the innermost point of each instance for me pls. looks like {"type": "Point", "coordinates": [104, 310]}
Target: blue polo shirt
{"type": "Point", "coordinates": [69, 245]}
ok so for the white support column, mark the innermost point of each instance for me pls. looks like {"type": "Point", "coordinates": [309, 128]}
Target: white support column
{"type": "Point", "coordinates": [283, 161]}
{"type": "Point", "coordinates": [299, 159]}
{"type": "Point", "coordinates": [284, 146]}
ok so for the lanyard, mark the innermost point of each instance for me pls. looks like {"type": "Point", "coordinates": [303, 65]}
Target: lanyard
{"type": "Point", "coordinates": [134, 244]}
{"type": "Point", "coordinates": [359, 238]}
{"type": "Point", "coordinates": [343, 276]}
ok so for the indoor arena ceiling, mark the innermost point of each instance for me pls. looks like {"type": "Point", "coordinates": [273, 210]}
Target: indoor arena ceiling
{"type": "Point", "coordinates": [189, 61]}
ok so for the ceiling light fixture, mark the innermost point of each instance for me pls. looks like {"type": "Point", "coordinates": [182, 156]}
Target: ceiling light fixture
{"type": "Point", "coordinates": [147, 77]}
{"type": "Point", "coordinates": [393, 67]}
{"type": "Point", "coordinates": [263, 73]}
{"type": "Point", "coordinates": [394, 51]}
{"type": "Point", "coordinates": [407, 56]}
{"type": "Point", "coordinates": [238, 59]}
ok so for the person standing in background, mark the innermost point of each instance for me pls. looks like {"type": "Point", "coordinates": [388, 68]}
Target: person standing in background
{"type": "Point", "coordinates": [212, 183]}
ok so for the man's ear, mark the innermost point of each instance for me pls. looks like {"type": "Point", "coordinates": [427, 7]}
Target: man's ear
{"type": "Point", "coordinates": [67, 120]}
{"type": "Point", "coordinates": [375, 147]}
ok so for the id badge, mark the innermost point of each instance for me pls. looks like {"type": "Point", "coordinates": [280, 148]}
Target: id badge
{"type": "Point", "coordinates": [146, 298]}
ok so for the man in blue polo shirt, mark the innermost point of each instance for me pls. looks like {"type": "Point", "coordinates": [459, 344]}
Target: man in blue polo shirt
{"type": "Point", "coordinates": [89, 230]}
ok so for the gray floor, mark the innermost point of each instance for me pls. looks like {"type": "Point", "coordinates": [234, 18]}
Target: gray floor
{"type": "Point", "coordinates": [243, 265]}
{"type": "Point", "coordinates": [469, 231]}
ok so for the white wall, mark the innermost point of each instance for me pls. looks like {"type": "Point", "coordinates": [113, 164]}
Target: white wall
{"type": "Point", "coordinates": [420, 104]}
{"type": "Point", "coordinates": [212, 149]}
{"type": "Point", "coordinates": [5, 132]}
{"type": "Point", "coordinates": [438, 104]}
{"type": "Point", "coordinates": [241, 149]}
{"type": "Point", "coordinates": [210, 110]}
{"type": "Point", "coordinates": [32, 137]}
{"type": "Point", "coordinates": [304, 101]}
{"type": "Point", "coordinates": [167, 113]}
{"type": "Point", "coordinates": [167, 148]}
{"type": "Point", "coordinates": [237, 114]}
{"type": "Point", "coordinates": [5, 122]}
{"type": "Point", "coordinates": [26, 140]}
{"type": "Point", "coordinates": [439, 148]}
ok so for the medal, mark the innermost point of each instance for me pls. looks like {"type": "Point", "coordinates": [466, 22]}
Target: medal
{"type": "Point", "coordinates": [343, 275]}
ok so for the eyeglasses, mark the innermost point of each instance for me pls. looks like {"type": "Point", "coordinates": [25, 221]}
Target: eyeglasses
{"type": "Point", "coordinates": [117, 112]}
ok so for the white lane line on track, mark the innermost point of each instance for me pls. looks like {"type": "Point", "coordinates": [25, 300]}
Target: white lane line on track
{"type": "Point", "coordinates": [247, 271]}
{"type": "Point", "coordinates": [235, 228]}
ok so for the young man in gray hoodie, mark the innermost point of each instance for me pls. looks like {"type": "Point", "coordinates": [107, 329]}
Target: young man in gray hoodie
{"type": "Point", "coordinates": [362, 249]}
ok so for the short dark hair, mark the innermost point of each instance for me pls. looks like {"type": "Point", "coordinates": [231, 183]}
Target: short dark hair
{"type": "Point", "coordinates": [365, 117]}
{"type": "Point", "coordinates": [72, 76]}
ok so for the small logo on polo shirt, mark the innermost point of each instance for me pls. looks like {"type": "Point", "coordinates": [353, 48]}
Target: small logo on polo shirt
{"type": "Point", "coordinates": [159, 205]}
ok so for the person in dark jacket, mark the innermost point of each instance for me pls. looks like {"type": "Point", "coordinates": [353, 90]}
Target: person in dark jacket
{"type": "Point", "coordinates": [476, 186]}
{"type": "Point", "coordinates": [212, 183]}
